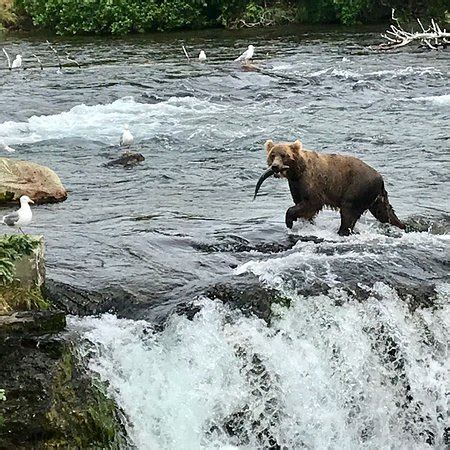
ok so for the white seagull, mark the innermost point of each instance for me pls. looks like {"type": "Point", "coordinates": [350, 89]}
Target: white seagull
{"type": "Point", "coordinates": [127, 138]}
{"type": "Point", "coordinates": [202, 56]}
{"type": "Point", "coordinates": [17, 62]}
{"type": "Point", "coordinates": [247, 55]}
{"type": "Point", "coordinates": [22, 216]}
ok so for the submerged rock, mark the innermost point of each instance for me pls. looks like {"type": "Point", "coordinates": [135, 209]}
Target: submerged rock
{"type": "Point", "coordinates": [127, 159]}
{"type": "Point", "coordinates": [19, 178]}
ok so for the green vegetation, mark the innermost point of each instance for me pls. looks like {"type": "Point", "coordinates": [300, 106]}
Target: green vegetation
{"type": "Point", "coordinates": [12, 248]}
{"type": "Point", "coordinates": [13, 295]}
{"type": "Point", "coordinates": [133, 16]}
{"type": "Point", "coordinates": [7, 16]}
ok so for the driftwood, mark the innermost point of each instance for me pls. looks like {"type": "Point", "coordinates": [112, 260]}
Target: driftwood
{"type": "Point", "coordinates": [53, 49]}
{"type": "Point", "coordinates": [8, 58]}
{"type": "Point", "coordinates": [186, 53]}
{"type": "Point", "coordinates": [39, 61]}
{"type": "Point", "coordinates": [432, 37]}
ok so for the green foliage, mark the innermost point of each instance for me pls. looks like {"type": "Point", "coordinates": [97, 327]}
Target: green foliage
{"type": "Point", "coordinates": [7, 16]}
{"type": "Point", "coordinates": [350, 11]}
{"type": "Point", "coordinates": [114, 16]}
{"type": "Point", "coordinates": [128, 16]}
{"type": "Point", "coordinates": [13, 247]}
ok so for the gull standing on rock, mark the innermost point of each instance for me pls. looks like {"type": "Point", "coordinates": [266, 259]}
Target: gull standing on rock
{"type": "Point", "coordinates": [247, 55]}
{"type": "Point", "coordinates": [22, 216]}
{"type": "Point", "coordinates": [127, 138]}
{"type": "Point", "coordinates": [17, 62]}
{"type": "Point", "coordinates": [202, 56]}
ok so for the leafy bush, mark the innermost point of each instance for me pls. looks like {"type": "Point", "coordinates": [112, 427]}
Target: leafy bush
{"type": "Point", "coordinates": [7, 16]}
{"type": "Point", "coordinates": [127, 16]}
{"type": "Point", "coordinates": [114, 16]}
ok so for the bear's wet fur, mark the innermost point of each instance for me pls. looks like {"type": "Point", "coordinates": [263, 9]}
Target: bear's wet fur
{"type": "Point", "coordinates": [319, 180]}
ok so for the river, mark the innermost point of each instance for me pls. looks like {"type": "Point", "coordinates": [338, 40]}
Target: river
{"type": "Point", "coordinates": [359, 359]}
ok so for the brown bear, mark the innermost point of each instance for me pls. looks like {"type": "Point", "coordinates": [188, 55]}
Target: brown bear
{"type": "Point", "coordinates": [328, 180]}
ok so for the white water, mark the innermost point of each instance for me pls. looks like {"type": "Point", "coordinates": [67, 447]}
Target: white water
{"type": "Point", "coordinates": [105, 122]}
{"type": "Point", "coordinates": [319, 377]}
{"type": "Point", "coordinates": [441, 100]}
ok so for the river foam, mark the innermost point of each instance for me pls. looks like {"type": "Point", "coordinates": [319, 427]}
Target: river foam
{"type": "Point", "coordinates": [104, 123]}
{"type": "Point", "coordinates": [330, 372]}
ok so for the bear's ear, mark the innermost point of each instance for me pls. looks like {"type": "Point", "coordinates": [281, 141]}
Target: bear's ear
{"type": "Point", "coordinates": [296, 146]}
{"type": "Point", "coordinates": [269, 145]}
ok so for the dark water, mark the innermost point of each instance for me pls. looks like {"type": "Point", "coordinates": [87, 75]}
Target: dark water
{"type": "Point", "coordinates": [185, 219]}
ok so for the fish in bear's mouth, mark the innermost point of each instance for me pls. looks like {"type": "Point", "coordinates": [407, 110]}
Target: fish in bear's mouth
{"type": "Point", "coordinates": [276, 171]}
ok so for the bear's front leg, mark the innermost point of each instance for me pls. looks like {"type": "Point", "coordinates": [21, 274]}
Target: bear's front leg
{"type": "Point", "coordinates": [293, 213]}
{"type": "Point", "coordinates": [302, 210]}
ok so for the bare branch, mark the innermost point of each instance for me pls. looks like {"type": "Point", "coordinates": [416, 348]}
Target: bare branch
{"type": "Point", "coordinates": [71, 59]}
{"type": "Point", "coordinates": [8, 58]}
{"type": "Point", "coordinates": [433, 37]}
{"type": "Point", "coordinates": [39, 61]}
{"type": "Point", "coordinates": [186, 53]}
{"type": "Point", "coordinates": [55, 52]}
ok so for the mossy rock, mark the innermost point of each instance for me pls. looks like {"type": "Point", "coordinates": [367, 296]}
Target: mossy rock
{"type": "Point", "coordinates": [51, 400]}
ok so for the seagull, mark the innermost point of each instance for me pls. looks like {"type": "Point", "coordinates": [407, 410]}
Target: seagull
{"type": "Point", "coordinates": [248, 54]}
{"type": "Point", "coordinates": [22, 216]}
{"type": "Point", "coordinates": [127, 138]}
{"type": "Point", "coordinates": [202, 56]}
{"type": "Point", "coordinates": [17, 62]}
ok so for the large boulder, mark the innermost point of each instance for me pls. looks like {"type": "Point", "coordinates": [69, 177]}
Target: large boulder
{"type": "Point", "coordinates": [19, 178]}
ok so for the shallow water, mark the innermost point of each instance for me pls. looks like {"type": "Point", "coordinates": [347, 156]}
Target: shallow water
{"type": "Point", "coordinates": [318, 377]}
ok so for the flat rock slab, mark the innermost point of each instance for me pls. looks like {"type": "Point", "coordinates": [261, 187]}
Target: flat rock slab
{"type": "Point", "coordinates": [19, 178]}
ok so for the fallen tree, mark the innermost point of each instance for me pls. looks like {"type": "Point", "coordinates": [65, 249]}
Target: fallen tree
{"type": "Point", "coordinates": [433, 37]}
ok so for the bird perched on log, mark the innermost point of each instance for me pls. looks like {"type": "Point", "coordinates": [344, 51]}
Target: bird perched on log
{"type": "Point", "coordinates": [127, 138]}
{"type": "Point", "coordinates": [247, 55]}
{"type": "Point", "coordinates": [22, 216]}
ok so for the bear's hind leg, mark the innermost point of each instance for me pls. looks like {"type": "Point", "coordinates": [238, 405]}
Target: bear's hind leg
{"type": "Point", "coordinates": [349, 217]}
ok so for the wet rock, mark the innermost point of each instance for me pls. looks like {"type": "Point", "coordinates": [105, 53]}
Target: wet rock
{"type": "Point", "coordinates": [439, 225]}
{"type": "Point", "coordinates": [82, 302]}
{"type": "Point", "coordinates": [127, 159]}
{"type": "Point", "coordinates": [238, 244]}
{"type": "Point", "coordinates": [31, 322]}
{"type": "Point", "coordinates": [51, 401]}
{"type": "Point", "coordinates": [19, 178]}
{"type": "Point", "coordinates": [248, 295]}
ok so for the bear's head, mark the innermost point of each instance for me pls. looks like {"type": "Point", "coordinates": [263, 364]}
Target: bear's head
{"type": "Point", "coordinates": [283, 160]}
{"type": "Point", "coordinates": [282, 157]}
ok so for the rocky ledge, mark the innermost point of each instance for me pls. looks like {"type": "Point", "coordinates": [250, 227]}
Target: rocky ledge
{"type": "Point", "coordinates": [48, 398]}
{"type": "Point", "coordinates": [51, 401]}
